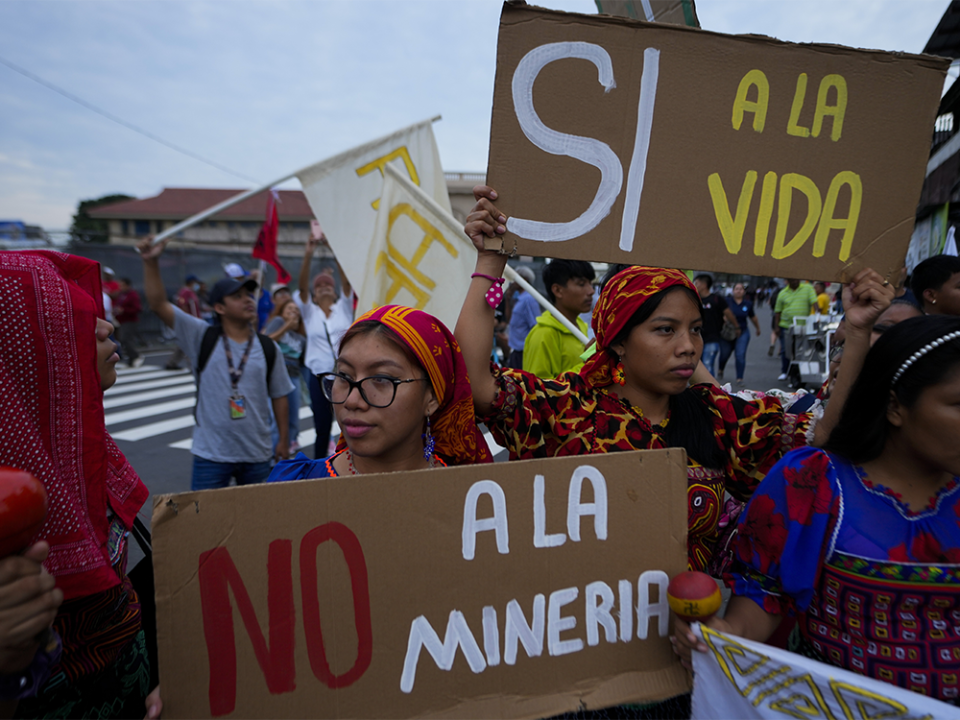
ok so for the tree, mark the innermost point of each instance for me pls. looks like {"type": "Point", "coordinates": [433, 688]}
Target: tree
{"type": "Point", "coordinates": [84, 228]}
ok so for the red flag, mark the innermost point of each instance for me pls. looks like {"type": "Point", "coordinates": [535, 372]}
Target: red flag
{"type": "Point", "coordinates": [266, 247]}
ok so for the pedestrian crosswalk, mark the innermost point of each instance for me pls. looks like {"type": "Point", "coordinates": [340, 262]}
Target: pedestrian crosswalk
{"type": "Point", "coordinates": [149, 403]}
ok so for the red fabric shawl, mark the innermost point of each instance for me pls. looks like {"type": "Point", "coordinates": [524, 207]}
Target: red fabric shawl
{"type": "Point", "coordinates": [454, 425]}
{"type": "Point", "coordinates": [52, 409]}
{"type": "Point", "coordinates": [622, 296]}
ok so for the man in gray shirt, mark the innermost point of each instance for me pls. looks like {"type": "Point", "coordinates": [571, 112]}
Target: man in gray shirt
{"type": "Point", "coordinates": [232, 436]}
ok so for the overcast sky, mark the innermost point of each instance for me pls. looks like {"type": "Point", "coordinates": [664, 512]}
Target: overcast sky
{"type": "Point", "coordinates": [266, 87]}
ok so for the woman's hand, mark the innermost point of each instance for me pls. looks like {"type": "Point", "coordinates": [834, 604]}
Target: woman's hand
{"type": "Point", "coordinates": [312, 244]}
{"type": "Point", "coordinates": [484, 219]}
{"type": "Point", "coordinates": [685, 643]}
{"type": "Point", "coordinates": [154, 704]}
{"type": "Point", "coordinates": [29, 600]}
{"type": "Point", "coordinates": [865, 298]}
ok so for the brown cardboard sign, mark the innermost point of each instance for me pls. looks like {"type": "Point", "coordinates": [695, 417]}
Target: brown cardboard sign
{"type": "Point", "coordinates": [512, 590]}
{"type": "Point", "coordinates": [677, 12]}
{"type": "Point", "coordinates": [625, 141]}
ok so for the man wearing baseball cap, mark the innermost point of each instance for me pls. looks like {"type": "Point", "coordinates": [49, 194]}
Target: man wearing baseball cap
{"type": "Point", "coordinates": [238, 379]}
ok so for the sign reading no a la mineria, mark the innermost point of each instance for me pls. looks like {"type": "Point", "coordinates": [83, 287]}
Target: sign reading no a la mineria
{"type": "Point", "coordinates": [509, 590]}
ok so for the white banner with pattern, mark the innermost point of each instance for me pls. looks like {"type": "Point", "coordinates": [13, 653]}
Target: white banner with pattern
{"type": "Point", "coordinates": [739, 678]}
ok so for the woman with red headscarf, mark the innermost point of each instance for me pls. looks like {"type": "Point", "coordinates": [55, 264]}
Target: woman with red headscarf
{"type": "Point", "coordinates": [401, 396]}
{"type": "Point", "coordinates": [56, 359]}
{"type": "Point", "coordinates": [635, 392]}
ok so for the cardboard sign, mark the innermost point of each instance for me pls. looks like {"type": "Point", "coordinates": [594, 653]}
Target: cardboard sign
{"type": "Point", "coordinates": [520, 589]}
{"type": "Point", "coordinates": [677, 12]}
{"type": "Point", "coordinates": [619, 140]}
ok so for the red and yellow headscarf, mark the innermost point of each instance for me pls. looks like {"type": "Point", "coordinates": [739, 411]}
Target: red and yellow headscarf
{"type": "Point", "coordinates": [454, 425]}
{"type": "Point", "coordinates": [622, 297]}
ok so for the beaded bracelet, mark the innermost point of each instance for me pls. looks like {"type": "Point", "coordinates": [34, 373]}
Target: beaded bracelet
{"type": "Point", "coordinates": [495, 294]}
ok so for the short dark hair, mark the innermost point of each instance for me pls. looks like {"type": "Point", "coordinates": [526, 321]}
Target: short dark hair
{"type": "Point", "coordinates": [932, 273]}
{"type": "Point", "coordinates": [560, 272]}
{"type": "Point", "coordinates": [861, 431]}
{"type": "Point", "coordinates": [708, 279]}
{"type": "Point", "coordinates": [126, 281]}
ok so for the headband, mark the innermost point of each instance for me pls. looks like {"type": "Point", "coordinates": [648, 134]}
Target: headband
{"type": "Point", "coordinates": [921, 352]}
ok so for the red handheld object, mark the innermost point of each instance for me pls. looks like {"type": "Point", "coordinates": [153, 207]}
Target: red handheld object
{"type": "Point", "coordinates": [694, 596]}
{"type": "Point", "coordinates": [23, 508]}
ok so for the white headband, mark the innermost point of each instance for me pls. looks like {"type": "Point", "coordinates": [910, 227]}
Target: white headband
{"type": "Point", "coordinates": [921, 352]}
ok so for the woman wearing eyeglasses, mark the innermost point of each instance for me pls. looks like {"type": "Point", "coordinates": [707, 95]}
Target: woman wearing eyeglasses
{"type": "Point", "coordinates": [401, 396]}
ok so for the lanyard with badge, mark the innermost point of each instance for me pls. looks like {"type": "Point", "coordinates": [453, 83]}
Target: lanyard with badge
{"type": "Point", "coordinates": [238, 404]}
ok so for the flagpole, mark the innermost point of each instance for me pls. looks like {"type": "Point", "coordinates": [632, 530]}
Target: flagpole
{"type": "Point", "coordinates": [263, 271]}
{"type": "Point", "coordinates": [231, 201]}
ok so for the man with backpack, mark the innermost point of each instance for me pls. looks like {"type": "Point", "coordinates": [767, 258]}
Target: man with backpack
{"type": "Point", "coordinates": [238, 376]}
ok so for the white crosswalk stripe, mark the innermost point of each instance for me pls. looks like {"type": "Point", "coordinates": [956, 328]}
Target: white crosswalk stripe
{"type": "Point", "coordinates": [137, 389]}
{"type": "Point", "coordinates": [131, 398]}
{"type": "Point", "coordinates": [126, 379]}
{"type": "Point", "coordinates": [149, 385]}
{"type": "Point", "coordinates": [148, 411]}
{"type": "Point", "coordinates": [154, 429]}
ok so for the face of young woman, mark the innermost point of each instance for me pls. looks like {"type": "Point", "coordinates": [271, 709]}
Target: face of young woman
{"type": "Point", "coordinates": [290, 312]}
{"type": "Point", "coordinates": [662, 352]}
{"type": "Point", "coordinates": [106, 354]}
{"type": "Point", "coordinates": [393, 431]}
{"type": "Point", "coordinates": [738, 292]}
{"type": "Point", "coordinates": [931, 428]}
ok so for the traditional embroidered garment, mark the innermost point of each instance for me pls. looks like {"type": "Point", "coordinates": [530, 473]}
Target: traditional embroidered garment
{"type": "Point", "coordinates": [876, 586]}
{"type": "Point", "coordinates": [535, 418]}
{"type": "Point", "coordinates": [52, 409]}
{"type": "Point", "coordinates": [303, 468]}
{"type": "Point", "coordinates": [459, 440]}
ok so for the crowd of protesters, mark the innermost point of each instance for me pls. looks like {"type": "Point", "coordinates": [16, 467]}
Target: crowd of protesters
{"type": "Point", "coordinates": [408, 393]}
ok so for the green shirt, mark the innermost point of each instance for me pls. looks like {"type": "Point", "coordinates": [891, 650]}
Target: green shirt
{"type": "Point", "coordinates": [795, 303]}
{"type": "Point", "coordinates": [550, 349]}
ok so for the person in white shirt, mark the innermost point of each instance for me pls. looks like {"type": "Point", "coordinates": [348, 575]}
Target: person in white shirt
{"type": "Point", "coordinates": [326, 318]}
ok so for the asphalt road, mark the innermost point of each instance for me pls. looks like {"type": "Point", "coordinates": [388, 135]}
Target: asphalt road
{"type": "Point", "coordinates": [149, 412]}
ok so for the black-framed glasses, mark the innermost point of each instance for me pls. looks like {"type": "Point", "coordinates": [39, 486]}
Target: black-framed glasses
{"type": "Point", "coordinates": [377, 391]}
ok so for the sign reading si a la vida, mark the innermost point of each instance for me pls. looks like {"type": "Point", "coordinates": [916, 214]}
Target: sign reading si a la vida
{"type": "Point", "coordinates": [625, 141]}
{"type": "Point", "coordinates": [510, 590]}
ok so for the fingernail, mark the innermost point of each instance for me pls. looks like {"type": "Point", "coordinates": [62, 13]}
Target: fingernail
{"type": "Point", "coordinates": [501, 219]}
{"type": "Point", "coordinates": [493, 193]}
{"type": "Point", "coordinates": [501, 228]}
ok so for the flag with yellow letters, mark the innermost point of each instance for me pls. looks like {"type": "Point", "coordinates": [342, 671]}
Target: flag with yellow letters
{"type": "Point", "coordinates": [344, 191]}
{"type": "Point", "coordinates": [418, 255]}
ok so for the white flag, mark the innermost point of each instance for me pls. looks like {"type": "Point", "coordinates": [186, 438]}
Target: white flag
{"type": "Point", "coordinates": [419, 255]}
{"type": "Point", "coordinates": [739, 678]}
{"type": "Point", "coordinates": [344, 191]}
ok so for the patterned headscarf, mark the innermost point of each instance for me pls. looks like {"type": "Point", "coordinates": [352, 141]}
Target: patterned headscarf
{"type": "Point", "coordinates": [52, 409]}
{"type": "Point", "coordinates": [622, 297]}
{"type": "Point", "coordinates": [454, 425]}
